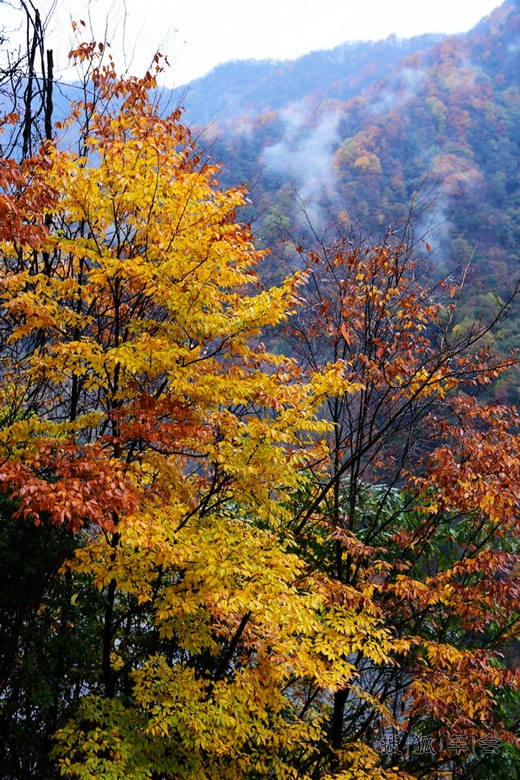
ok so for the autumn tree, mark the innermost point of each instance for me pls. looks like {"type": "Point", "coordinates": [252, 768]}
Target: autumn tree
{"type": "Point", "coordinates": [139, 423]}
{"type": "Point", "coordinates": [26, 85]}
{"type": "Point", "coordinates": [35, 646]}
{"type": "Point", "coordinates": [256, 565]}
{"type": "Point", "coordinates": [415, 507]}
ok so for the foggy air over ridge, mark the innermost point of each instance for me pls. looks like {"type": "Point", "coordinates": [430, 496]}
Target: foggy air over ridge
{"type": "Point", "coordinates": [197, 37]}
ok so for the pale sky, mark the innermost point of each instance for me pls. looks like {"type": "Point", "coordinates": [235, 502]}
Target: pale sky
{"type": "Point", "coordinates": [196, 35]}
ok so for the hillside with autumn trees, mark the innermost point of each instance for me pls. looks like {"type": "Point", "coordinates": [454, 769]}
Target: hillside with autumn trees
{"type": "Point", "coordinates": [253, 524]}
{"type": "Point", "coordinates": [361, 135]}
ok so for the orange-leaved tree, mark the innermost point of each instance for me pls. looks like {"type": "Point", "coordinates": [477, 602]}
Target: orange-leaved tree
{"type": "Point", "coordinates": [137, 416]}
{"type": "Point", "coordinates": [417, 508]}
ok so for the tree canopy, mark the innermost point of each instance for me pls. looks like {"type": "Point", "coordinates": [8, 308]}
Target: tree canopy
{"type": "Point", "coordinates": [237, 563]}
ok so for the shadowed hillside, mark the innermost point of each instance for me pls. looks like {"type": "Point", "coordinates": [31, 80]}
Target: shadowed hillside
{"type": "Point", "coordinates": [367, 131]}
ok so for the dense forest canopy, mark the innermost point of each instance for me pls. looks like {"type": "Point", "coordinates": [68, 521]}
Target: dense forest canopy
{"type": "Point", "coordinates": [368, 130]}
{"type": "Point", "coordinates": [259, 510]}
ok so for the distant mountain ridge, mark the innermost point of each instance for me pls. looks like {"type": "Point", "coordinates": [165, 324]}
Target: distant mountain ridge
{"type": "Point", "coordinates": [251, 87]}
{"type": "Point", "coordinates": [364, 131]}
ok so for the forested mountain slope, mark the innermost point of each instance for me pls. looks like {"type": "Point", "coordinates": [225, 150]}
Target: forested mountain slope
{"type": "Point", "coordinates": [366, 130]}
{"type": "Point", "coordinates": [251, 87]}
{"type": "Point", "coordinates": [249, 530]}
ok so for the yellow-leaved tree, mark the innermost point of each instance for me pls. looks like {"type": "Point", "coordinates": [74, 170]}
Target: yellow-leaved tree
{"type": "Point", "coordinates": [137, 415]}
